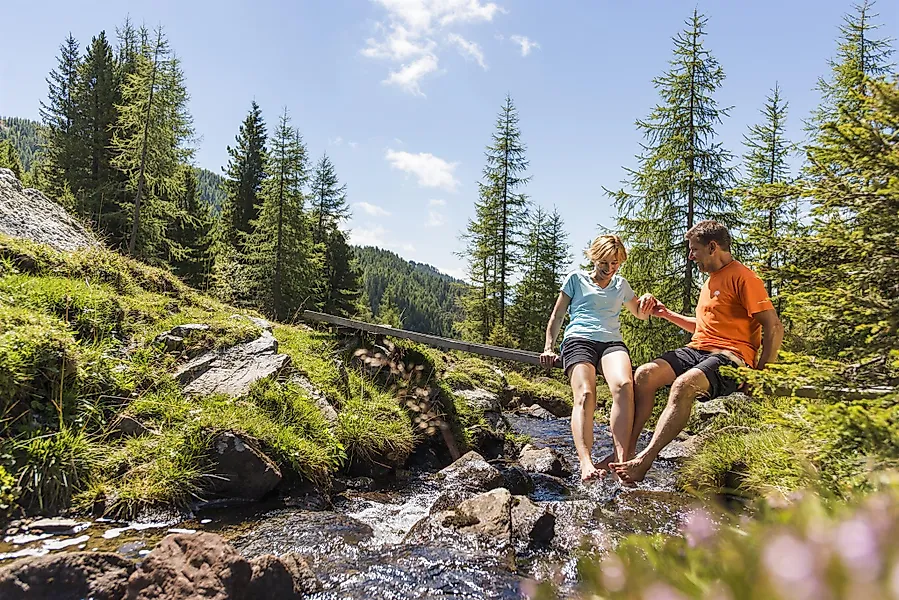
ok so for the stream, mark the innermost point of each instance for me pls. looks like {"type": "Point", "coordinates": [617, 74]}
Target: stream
{"type": "Point", "coordinates": [357, 549]}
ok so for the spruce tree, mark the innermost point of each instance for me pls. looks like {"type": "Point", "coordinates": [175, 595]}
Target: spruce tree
{"type": "Point", "coordinates": [279, 249]}
{"type": "Point", "coordinates": [860, 55]}
{"type": "Point", "coordinates": [341, 278]}
{"type": "Point", "coordinates": [9, 159]}
{"type": "Point", "coordinates": [847, 284]}
{"type": "Point", "coordinates": [770, 208]}
{"type": "Point", "coordinates": [682, 177]}
{"type": "Point", "coordinates": [479, 304]}
{"type": "Point", "coordinates": [546, 254]}
{"type": "Point", "coordinates": [151, 140]}
{"type": "Point", "coordinates": [59, 115]}
{"type": "Point", "coordinates": [191, 231]}
{"type": "Point", "coordinates": [244, 178]}
{"type": "Point", "coordinates": [328, 199]}
{"type": "Point", "coordinates": [96, 182]}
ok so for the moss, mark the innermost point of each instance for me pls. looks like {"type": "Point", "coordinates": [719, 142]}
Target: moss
{"type": "Point", "coordinates": [313, 353]}
{"type": "Point", "coordinates": [473, 372]}
{"type": "Point", "coordinates": [8, 493]}
{"type": "Point", "coordinates": [544, 387]}
{"type": "Point", "coordinates": [37, 355]}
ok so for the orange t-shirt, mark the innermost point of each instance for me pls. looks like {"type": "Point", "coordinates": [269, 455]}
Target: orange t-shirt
{"type": "Point", "coordinates": [727, 301]}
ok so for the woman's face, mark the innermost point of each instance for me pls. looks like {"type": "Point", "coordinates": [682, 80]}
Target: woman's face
{"type": "Point", "coordinates": [606, 266]}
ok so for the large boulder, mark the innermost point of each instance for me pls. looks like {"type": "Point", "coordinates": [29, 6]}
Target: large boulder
{"type": "Point", "coordinates": [288, 576]}
{"type": "Point", "coordinates": [200, 565]}
{"type": "Point", "coordinates": [544, 460]}
{"type": "Point", "coordinates": [232, 371]}
{"type": "Point", "coordinates": [241, 470]}
{"type": "Point", "coordinates": [472, 473]}
{"type": "Point", "coordinates": [27, 213]}
{"type": "Point", "coordinates": [532, 524]}
{"type": "Point", "coordinates": [480, 523]}
{"type": "Point", "coordinates": [66, 576]}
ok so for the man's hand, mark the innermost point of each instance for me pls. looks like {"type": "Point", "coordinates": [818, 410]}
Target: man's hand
{"type": "Point", "coordinates": [548, 358]}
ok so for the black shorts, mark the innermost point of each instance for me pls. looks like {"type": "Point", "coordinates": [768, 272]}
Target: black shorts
{"type": "Point", "coordinates": [684, 359]}
{"type": "Point", "coordinates": [577, 350]}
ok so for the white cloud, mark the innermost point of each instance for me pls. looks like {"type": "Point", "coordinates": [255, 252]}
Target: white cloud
{"type": "Point", "coordinates": [353, 145]}
{"type": "Point", "coordinates": [335, 141]}
{"type": "Point", "coordinates": [468, 49]}
{"type": "Point", "coordinates": [377, 236]}
{"type": "Point", "coordinates": [430, 170]}
{"type": "Point", "coordinates": [435, 219]}
{"type": "Point", "coordinates": [437, 202]}
{"type": "Point", "coordinates": [408, 75]}
{"type": "Point", "coordinates": [526, 44]}
{"type": "Point", "coordinates": [408, 35]}
{"type": "Point", "coordinates": [372, 209]}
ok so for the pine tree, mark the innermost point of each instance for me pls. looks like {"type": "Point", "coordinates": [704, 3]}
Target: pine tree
{"type": "Point", "coordinates": [328, 199]}
{"type": "Point", "coordinates": [96, 182]}
{"type": "Point", "coordinates": [860, 55]}
{"type": "Point", "coordinates": [59, 116]}
{"type": "Point", "coordinates": [151, 140]}
{"type": "Point", "coordinates": [478, 304]}
{"type": "Point", "coordinates": [191, 231]}
{"type": "Point", "coordinates": [280, 249]}
{"type": "Point", "coordinates": [245, 176]}
{"type": "Point", "coordinates": [341, 277]}
{"type": "Point", "coordinates": [681, 180]}
{"type": "Point", "coordinates": [9, 158]}
{"type": "Point", "coordinates": [847, 284]}
{"type": "Point", "coordinates": [506, 163]}
{"type": "Point", "coordinates": [546, 254]}
{"type": "Point", "coordinates": [770, 209]}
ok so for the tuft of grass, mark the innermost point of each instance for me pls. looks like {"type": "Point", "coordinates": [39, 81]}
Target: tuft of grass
{"type": "Point", "coordinates": [372, 427]}
{"type": "Point", "coordinates": [314, 354]}
{"type": "Point", "coordinates": [8, 493]}
{"type": "Point", "coordinates": [53, 467]}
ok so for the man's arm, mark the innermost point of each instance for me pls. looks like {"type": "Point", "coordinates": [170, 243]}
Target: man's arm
{"type": "Point", "coordinates": [657, 309]}
{"type": "Point", "coordinates": [772, 336]}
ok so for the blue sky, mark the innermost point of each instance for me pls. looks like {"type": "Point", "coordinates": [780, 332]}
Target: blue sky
{"type": "Point", "coordinates": [403, 94]}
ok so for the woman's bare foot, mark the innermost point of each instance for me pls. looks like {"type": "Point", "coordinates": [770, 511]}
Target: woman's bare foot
{"type": "Point", "coordinates": [589, 472]}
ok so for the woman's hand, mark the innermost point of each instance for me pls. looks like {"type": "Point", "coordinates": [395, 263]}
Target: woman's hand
{"type": "Point", "coordinates": [646, 304]}
{"type": "Point", "coordinates": [548, 358]}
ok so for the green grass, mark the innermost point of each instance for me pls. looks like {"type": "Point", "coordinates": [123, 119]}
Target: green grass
{"type": "Point", "coordinates": [372, 427]}
{"type": "Point", "coordinates": [468, 372]}
{"type": "Point", "coordinates": [545, 388]}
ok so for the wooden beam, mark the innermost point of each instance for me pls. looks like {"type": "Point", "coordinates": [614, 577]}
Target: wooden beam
{"type": "Point", "coordinates": [533, 358]}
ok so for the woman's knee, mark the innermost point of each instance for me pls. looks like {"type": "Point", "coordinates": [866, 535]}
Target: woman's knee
{"type": "Point", "coordinates": [622, 388]}
{"type": "Point", "coordinates": [584, 395]}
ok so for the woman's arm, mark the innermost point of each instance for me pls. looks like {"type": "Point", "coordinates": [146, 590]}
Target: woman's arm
{"type": "Point", "coordinates": [552, 329]}
{"type": "Point", "coordinates": [634, 306]}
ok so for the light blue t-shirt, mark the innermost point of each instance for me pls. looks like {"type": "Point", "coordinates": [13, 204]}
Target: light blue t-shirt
{"type": "Point", "coordinates": [594, 310]}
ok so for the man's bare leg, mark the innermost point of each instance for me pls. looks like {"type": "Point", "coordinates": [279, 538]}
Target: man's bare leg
{"type": "Point", "coordinates": [583, 387]}
{"type": "Point", "coordinates": [648, 379]}
{"type": "Point", "coordinates": [673, 420]}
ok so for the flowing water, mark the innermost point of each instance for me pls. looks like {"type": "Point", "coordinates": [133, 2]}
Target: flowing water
{"type": "Point", "coordinates": [357, 549]}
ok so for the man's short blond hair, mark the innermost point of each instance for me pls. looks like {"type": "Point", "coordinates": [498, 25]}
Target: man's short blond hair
{"type": "Point", "coordinates": [607, 245]}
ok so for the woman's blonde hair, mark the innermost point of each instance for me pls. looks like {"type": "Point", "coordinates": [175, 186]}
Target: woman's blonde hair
{"type": "Point", "coordinates": [606, 245]}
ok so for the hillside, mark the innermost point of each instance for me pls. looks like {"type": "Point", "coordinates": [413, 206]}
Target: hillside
{"type": "Point", "coordinates": [421, 297]}
{"type": "Point", "coordinates": [24, 136]}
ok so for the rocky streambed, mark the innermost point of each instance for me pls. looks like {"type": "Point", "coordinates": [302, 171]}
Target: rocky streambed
{"type": "Point", "coordinates": [476, 529]}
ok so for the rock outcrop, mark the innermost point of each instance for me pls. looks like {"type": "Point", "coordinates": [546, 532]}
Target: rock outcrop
{"type": "Point", "coordinates": [67, 576]}
{"type": "Point", "coordinates": [232, 371]}
{"type": "Point", "coordinates": [241, 470]}
{"type": "Point", "coordinates": [27, 213]}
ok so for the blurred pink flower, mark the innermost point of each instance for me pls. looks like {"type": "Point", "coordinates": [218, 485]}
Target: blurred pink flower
{"type": "Point", "coordinates": [793, 569]}
{"type": "Point", "coordinates": [699, 528]}
{"type": "Point", "coordinates": [613, 574]}
{"type": "Point", "coordinates": [660, 591]}
{"type": "Point", "coordinates": [856, 543]}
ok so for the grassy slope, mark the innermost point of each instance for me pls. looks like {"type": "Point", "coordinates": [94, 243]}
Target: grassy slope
{"type": "Point", "coordinates": [76, 350]}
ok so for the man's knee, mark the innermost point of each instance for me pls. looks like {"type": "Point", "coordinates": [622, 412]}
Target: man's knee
{"type": "Point", "coordinates": [688, 386]}
{"type": "Point", "coordinates": [648, 377]}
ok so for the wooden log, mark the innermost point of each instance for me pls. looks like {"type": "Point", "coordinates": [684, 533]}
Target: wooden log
{"type": "Point", "coordinates": [533, 358]}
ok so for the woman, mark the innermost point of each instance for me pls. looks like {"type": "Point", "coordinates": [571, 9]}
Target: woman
{"type": "Point", "coordinates": [592, 345]}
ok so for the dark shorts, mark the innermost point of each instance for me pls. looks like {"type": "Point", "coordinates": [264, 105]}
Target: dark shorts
{"type": "Point", "coordinates": [577, 350]}
{"type": "Point", "coordinates": [684, 359]}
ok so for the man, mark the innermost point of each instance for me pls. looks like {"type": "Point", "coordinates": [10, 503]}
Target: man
{"type": "Point", "coordinates": [734, 316]}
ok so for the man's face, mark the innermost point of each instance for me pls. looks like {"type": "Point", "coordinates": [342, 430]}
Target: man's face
{"type": "Point", "coordinates": [701, 253]}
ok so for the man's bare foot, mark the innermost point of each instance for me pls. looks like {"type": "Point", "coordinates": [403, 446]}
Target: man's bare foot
{"type": "Point", "coordinates": [633, 470]}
